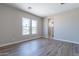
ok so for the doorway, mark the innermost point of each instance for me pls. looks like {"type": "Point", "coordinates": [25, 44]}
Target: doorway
{"type": "Point", "coordinates": [50, 28]}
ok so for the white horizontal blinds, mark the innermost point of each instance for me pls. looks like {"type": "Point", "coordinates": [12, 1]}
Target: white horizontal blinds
{"type": "Point", "coordinates": [34, 26]}
{"type": "Point", "coordinates": [25, 26]}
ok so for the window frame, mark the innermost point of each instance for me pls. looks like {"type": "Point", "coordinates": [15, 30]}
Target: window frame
{"type": "Point", "coordinates": [34, 27]}
{"type": "Point", "coordinates": [23, 26]}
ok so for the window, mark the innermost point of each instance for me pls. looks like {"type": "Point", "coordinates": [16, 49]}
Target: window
{"type": "Point", "coordinates": [34, 27]}
{"type": "Point", "coordinates": [29, 26]}
{"type": "Point", "coordinates": [25, 26]}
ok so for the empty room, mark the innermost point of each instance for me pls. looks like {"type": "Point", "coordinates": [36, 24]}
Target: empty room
{"type": "Point", "coordinates": [39, 29]}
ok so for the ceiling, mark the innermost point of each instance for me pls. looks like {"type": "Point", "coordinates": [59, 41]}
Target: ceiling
{"type": "Point", "coordinates": [44, 9]}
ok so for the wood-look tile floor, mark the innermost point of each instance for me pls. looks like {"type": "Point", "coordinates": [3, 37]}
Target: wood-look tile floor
{"type": "Point", "coordinates": [41, 47]}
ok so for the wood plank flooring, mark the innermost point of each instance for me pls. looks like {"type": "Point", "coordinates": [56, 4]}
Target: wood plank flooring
{"type": "Point", "coordinates": [41, 47]}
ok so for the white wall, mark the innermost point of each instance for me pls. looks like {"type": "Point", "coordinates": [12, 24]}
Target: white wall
{"type": "Point", "coordinates": [11, 25]}
{"type": "Point", "coordinates": [45, 27]}
{"type": "Point", "coordinates": [66, 26]}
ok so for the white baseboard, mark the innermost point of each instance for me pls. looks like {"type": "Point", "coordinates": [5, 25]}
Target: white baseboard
{"type": "Point", "coordinates": [6, 44]}
{"type": "Point", "coordinates": [66, 40]}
